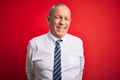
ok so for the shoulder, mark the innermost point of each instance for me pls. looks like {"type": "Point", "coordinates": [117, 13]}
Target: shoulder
{"type": "Point", "coordinates": [74, 38]}
{"type": "Point", "coordinates": [37, 39]}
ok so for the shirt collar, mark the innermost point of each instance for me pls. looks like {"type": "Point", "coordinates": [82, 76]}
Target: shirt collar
{"type": "Point", "coordinates": [53, 38]}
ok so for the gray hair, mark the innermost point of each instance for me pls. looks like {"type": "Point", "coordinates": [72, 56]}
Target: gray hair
{"type": "Point", "coordinates": [54, 6]}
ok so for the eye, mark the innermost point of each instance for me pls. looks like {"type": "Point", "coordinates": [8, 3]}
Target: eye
{"type": "Point", "coordinates": [67, 19]}
{"type": "Point", "coordinates": [57, 17]}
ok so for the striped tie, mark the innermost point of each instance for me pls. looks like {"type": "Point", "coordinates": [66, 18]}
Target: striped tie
{"type": "Point", "coordinates": [57, 61]}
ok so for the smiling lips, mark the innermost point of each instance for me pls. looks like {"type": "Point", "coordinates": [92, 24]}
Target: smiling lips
{"type": "Point", "coordinates": [61, 27]}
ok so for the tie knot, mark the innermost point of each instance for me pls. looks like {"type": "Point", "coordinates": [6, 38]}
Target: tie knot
{"type": "Point", "coordinates": [58, 41]}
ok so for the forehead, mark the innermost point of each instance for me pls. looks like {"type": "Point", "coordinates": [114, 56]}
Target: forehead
{"type": "Point", "coordinates": [62, 10]}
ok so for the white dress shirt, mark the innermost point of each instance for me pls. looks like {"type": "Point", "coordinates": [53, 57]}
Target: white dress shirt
{"type": "Point", "coordinates": [40, 57]}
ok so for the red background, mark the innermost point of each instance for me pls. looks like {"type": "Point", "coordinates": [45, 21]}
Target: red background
{"type": "Point", "coordinates": [97, 22]}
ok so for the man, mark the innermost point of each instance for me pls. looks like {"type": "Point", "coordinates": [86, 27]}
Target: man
{"type": "Point", "coordinates": [56, 55]}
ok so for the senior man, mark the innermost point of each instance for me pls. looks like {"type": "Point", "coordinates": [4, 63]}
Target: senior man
{"type": "Point", "coordinates": [56, 55]}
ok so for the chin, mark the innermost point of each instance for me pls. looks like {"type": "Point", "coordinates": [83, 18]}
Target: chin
{"type": "Point", "coordinates": [60, 35]}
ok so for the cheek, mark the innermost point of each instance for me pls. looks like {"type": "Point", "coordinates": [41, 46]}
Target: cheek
{"type": "Point", "coordinates": [68, 24]}
{"type": "Point", "coordinates": [55, 22]}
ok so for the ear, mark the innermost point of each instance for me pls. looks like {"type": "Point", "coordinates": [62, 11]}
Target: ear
{"type": "Point", "coordinates": [48, 19]}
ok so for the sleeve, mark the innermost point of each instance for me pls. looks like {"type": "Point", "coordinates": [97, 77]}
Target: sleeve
{"type": "Point", "coordinates": [81, 67]}
{"type": "Point", "coordinates": [29, 64]}
{"type": "Point", "coordinates": [82, 61]}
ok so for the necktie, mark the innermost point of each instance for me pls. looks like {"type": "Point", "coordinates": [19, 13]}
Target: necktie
{"type": "Point", "coordinates": [57, 61]}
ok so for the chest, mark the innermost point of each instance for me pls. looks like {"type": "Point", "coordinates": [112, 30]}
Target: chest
{"type": "Point", "coordinates": [43, 58]}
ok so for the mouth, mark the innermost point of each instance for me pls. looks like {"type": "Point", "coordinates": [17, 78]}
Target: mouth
{"type": "Point", "coordinates": [61, 27]}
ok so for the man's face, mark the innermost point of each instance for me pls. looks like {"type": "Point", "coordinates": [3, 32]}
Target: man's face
{"type": "Point", "coordinates": [59, 21]}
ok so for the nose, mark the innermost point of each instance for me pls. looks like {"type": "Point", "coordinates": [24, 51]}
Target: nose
{"type": "Point", "coordinates": [62, 22]}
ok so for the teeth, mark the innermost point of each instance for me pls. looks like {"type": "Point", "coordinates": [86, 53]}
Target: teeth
{"type": "Point", "coordinates": [61, 27]}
